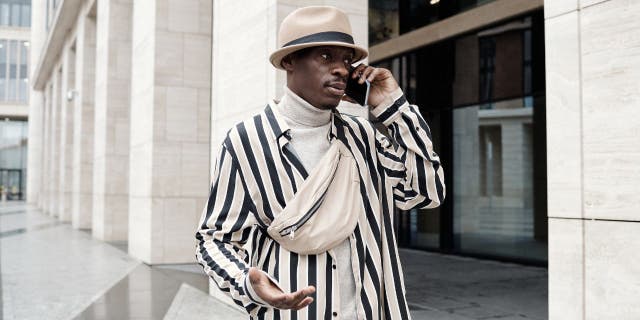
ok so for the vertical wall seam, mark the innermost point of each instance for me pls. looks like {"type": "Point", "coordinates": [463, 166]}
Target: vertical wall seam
{"type": "Point", "coordinates": [211, 48]}
{"type": "Point", "coordinates": [582, 198]}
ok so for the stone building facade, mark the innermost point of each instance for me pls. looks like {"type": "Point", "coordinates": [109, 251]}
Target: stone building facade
{"type": "Point", "coordinates": [593, 67]}
{"type": "Point", "coordinates": [129, 99]}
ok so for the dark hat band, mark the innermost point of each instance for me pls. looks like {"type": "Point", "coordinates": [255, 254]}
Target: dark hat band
{"type": "Point", "coordinates": [328, 36]}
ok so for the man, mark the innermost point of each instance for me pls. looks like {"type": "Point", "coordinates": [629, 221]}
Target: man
{"type": "Point", "coordinates": [265, 160]}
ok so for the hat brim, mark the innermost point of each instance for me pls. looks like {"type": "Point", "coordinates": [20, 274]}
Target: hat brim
{"type": "Point", "coordinates": [277, 56]}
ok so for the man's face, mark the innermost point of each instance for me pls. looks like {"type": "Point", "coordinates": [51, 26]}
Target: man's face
{"type": "Point", "coordinates": [319, 74]}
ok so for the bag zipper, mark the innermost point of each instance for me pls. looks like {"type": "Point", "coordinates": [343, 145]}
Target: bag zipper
{"type": "Point", "coordinates": [291, 229]}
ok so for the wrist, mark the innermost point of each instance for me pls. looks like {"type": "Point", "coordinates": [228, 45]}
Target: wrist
{"type": "Point", "coordinates": [388, 113]}
{"type": "Point", "coordinates": [387, 100]}
{"type": "Point", "coordinates": [251, 292]}
{"type": "Point", "coordinates": [259, 279]}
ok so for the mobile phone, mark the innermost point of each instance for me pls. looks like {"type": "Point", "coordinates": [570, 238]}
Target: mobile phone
{"type": "Point", "coordinates": [357, 91]}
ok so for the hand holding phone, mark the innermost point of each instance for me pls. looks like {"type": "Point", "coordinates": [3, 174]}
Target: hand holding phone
{"type": "Point", "coordinates": [382, 85]}
{"type": "Point", "coordinates": [357, 91]}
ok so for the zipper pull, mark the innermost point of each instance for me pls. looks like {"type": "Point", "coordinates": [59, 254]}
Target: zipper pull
{"type": "Point", "coordinates": [293, 232]}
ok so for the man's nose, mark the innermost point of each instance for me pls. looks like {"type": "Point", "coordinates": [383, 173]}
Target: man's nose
{"type": "Point", "coordinates": [341, 70]}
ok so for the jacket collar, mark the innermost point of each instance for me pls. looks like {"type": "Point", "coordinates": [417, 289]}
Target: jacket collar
{"type": "Point", "coordinates": [281, 130]}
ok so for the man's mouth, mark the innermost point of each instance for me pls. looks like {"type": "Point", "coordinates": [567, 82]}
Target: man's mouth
{"type": "Point", "coordinates": [337, 88]}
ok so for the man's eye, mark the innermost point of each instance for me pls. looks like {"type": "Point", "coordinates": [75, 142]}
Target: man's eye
{"type": "Point", "coordinates": [325, 56]}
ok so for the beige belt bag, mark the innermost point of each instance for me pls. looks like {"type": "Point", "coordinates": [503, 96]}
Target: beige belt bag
{"type": "Point", "coordinates": [325, 210]}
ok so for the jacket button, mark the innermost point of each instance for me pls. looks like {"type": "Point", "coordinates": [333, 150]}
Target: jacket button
{"type": "Point", "coordinates": [335, 314]}
{"type": "Point", "coordinates": [334, 267]}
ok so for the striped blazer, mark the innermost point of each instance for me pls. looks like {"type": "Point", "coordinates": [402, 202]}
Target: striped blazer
{"type": "Point", "coordinates": [256, 174]}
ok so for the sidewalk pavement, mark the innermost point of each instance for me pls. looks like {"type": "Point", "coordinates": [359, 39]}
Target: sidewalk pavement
{"type": "Point", "coordinates": [447, 287]}
{"type": "Point", "coordinates": [47, 267]}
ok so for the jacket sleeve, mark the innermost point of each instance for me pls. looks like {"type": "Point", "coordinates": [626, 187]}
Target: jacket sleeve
{"type": "Point", "coordinates": [223, 232]}
{"type": "Point", "coordinates": [407, 155]}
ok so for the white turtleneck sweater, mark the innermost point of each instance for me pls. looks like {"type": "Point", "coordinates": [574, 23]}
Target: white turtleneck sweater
{"type": "Point", "coordinates": [310, 127]}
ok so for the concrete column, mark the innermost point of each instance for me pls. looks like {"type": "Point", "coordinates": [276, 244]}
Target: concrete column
{"type": "Point", "coordinates": [170, 140]}
{"type": "Point", "coordinates": [34, 151]}
{"type": "Point", "coordinates": [111, 135]}
{"type": "Point", "coordinates": [35, 165]}
{"type": "Point", "coordinates": [54, 142]}
{"type": "Point", "coordinates": [46, 150]}
{"type": "Point", "coordinates": [47, 156]}
{"type": "Point", "coordinates": [592, 69]}
{"type": "Point", "coordinates": [43, 188]}
{"type": "Point", "coordinates": [82, 191]}
{"type": "Point", "coordinates": [65, 182]}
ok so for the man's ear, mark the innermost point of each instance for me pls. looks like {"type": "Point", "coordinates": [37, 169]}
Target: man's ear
{"type": "Point", "coordinates": [287, 62]}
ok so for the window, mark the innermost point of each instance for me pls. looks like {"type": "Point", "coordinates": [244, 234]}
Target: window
{"type": "Point", "coordinates": [23, 77]}
{"type": "Point", "coordinates": [15, 13]}
{"type": "Point", "coordinates": [25, 12]}
{"type": "Point", "coordinates": [3, 69]}
{"type": "Point", "coordinates": [14, 71]}
{"type": "Point", "coordinates": [13, 158]}
{"type": "Point", "coordinates": [4, 13]}
{"type": "Point", "coordinates": [487, 49]}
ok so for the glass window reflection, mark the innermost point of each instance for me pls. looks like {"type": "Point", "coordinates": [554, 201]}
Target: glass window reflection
{"type": "Point", "coordinates": [390, 18]}
{"type": "Point", "coordinates": [482, 94]}
{"type": "Point", "coordinates": [384, 22]}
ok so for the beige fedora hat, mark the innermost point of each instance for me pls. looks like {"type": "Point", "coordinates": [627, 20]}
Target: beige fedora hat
{"type": "Point", "coordinates": [315, 26]}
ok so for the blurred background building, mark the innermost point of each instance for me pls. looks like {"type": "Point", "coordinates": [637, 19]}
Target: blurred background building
{"type": "Point", "coordinates": [533, 106]}
{"type": "Point", "coordinates": [15, 20]}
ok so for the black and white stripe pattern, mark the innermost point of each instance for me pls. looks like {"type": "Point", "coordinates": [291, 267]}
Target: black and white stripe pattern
{"type": "Point", "coordinates": [256, 175]}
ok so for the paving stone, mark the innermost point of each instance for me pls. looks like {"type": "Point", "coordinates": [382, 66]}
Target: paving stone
{"type": "Point", "coordinates": [473, 288]}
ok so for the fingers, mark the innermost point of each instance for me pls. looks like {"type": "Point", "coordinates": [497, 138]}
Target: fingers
{"type": "Point", "coordinates": [357, 72]}
{"type": "Point", "coordinates": [363, 72]}
{"type": "Point", "coordinates": [299, 295]}
{"type": "Point", "coordinates": [304, 303]}
{"type": "Point", "coordinates": [272, 294]}
{"type": "Point", "coordinates": [367, 73]}
{"type": "Point", "coordinates": [375, 74]}
{"type": "Point", "coordinates": [306, 291]}
{"type": "Point", "coordinates": [296, 300]}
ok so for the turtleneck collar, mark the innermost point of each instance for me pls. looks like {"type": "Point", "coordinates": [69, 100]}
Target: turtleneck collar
{"type": "Point", "coordinates": [298, 111]}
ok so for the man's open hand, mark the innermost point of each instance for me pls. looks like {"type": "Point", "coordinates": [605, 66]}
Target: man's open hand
{"type": "Point", "coordinates": [271, 294]}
